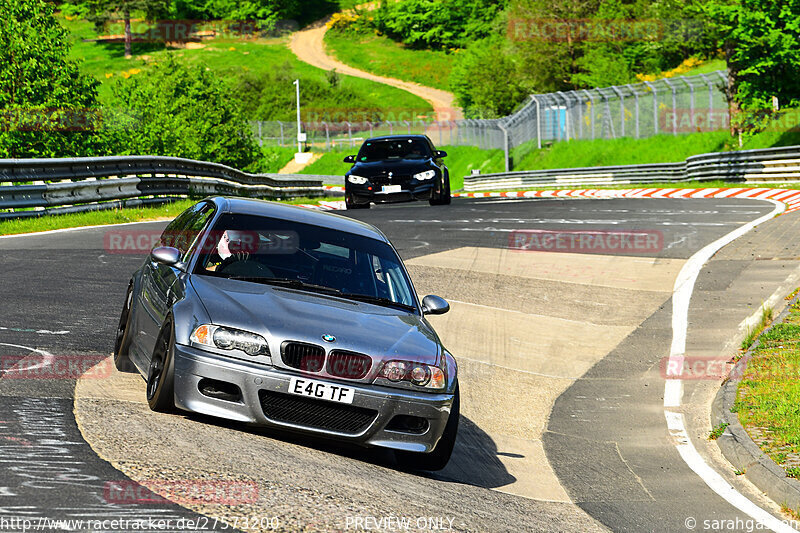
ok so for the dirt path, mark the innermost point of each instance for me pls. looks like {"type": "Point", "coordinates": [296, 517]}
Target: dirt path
{"type": "Point", "coordinates": [309, 47]}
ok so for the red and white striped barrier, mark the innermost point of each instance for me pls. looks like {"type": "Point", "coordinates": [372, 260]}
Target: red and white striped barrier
{"type": "Point", "coordinates": [790, 197]}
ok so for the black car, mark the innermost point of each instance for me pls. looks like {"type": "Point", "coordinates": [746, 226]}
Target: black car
{"type": "Point", "coordinates": [396, 168]}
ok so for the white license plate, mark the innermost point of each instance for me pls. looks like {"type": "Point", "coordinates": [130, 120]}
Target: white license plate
{"type": "Point", "coordinates": [391, 188]}
{"type": "Point", "coordinates": [319, 389]}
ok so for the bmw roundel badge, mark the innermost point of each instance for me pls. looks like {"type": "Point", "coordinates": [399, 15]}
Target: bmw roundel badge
{"type": "Point", "coordinates": [328, 338]}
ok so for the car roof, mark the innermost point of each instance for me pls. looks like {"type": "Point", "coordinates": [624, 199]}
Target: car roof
{"type": "Point", "coordinates": [392, 137]}
{"type": "Point", "coordinates": [302, 215]}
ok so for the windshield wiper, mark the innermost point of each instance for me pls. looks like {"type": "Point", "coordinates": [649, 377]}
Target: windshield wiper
{"type": "Point", "coordinates": [302, 285]}
{"type": "Point", "coordinates": [286, 282]}
{"type": "Point", "coordinates": [377, 300]}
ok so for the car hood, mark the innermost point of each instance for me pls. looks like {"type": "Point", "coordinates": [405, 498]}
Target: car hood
{"type": "Point", "coordinates": [286, 314]}
{"type": "Point", "coordinates": [402, 166]}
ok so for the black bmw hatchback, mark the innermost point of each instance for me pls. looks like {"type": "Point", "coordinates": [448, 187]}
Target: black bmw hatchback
{"type": "Point", "coordinates": [396, 168]}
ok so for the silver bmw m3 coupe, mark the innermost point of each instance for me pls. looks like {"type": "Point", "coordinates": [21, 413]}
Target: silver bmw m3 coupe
{"type": "Point", "coordinates": [286, 317]}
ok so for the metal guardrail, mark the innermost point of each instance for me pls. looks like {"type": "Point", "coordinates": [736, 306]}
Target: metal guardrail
{"type": "Point", "coordinates": [749, 166]}
{"type": "Point", "coordinates": [55, 186]}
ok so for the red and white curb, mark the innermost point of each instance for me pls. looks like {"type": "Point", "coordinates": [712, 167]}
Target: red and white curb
{"type": "Point", "coordinates": [790, 197]}
{"type": "Point", "coordinates": [326, 206]}
{"type": "Point", "coordinates": [337, 205]}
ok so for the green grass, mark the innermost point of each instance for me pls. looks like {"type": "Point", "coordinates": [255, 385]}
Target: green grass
{"type": "Point", "coordinates": [753, 333]}
{"type": "Point", "coordinates": [114, 216]}
{"type": "Point", "coordinates": [385, 57]}
{"type": "Point", "coordinates": [717, 431]}
{"type": "Point", "coordinates": [460, 160]}
{"type": "Point", "coordinates": [275, 158]}
{"type": "Point", "coordinates": [626, 151]}
{"type": "Point", "coordinates": [228, 57]}
{"type": "Point", "coordinates": [708, 66]}
{"type": "Point", "coordinates": [769, 392]}
{"type": "Point", "coordinates": [657, 149]}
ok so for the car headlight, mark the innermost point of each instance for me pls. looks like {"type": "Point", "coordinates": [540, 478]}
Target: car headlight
{"type": "Point", "coordinates": [418, 374]}
{"type": "Point", "coordinates": [428, 174]}
{"type": "Point", "coordinates": [230, 339]}
{"type": "Point", "coordinates": [357, 180]}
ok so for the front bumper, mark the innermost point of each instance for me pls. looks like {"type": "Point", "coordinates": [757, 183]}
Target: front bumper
{"type": "Point", "coordinates": [193, 365]}
{"type": "Point", "coordinates": [410, 191]}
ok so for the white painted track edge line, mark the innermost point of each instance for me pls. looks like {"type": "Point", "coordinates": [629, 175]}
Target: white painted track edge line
{"type": "Point", "coordinates": [78, 228]}
{"type": "Point", "coordinates": [684, 286]}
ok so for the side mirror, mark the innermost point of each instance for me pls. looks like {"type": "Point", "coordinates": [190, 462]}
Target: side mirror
{"type": "Point", "coordinates": [441, 153]}
{"type": "Point", "coordinates": [167, 255]}
{"type": "Point", "coordinates": [350, 159]}
{"type": "Point", "coordinates": [434, 305]}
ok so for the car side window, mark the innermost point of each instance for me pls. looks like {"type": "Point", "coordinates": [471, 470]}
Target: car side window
{"type": "Point", "coordinates": [182, 231]}
{"type": "Point", "coordinates": [194, 226]}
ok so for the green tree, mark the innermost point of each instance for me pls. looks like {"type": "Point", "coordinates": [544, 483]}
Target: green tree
{"type": "Point", "coordinates": [102, 11]}
{"type": "Point", "coordinates": [182, 111]}
{"type": "Point", "coordinates": [761, 41]}
{"type": "Point", "coordinates": [485, 80]}
{"type": "Point", "coordinates": [438, 24]}
{"type": "Point", "coordinates": [49, 109]}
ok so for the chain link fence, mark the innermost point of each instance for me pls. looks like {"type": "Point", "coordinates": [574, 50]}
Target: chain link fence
{"type": "Point", "coordinates": [685, 104]}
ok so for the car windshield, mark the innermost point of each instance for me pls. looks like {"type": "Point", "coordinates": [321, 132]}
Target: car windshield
{"type": "Point", "coordinates": [305, 257]}
{"type": "Point", "coordinates": [409, 148]}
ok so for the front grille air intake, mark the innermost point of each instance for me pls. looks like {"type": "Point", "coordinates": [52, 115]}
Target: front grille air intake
{"type": "Point", "coordinates": [302, 356]}
{"type": "Point", "coordinates": [348, 365]}
{"type": "Point", "coordinates": [316, 414]}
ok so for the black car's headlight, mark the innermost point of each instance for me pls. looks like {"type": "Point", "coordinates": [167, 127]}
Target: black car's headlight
{"type": "Point", "coordinates": [406, 373]}
{"type": "Point", "coordinates": [428, 174]}
{"type": "Point", "coordinates": [357, 180]}
{"type": "Point", "coordinates": [224, 338]}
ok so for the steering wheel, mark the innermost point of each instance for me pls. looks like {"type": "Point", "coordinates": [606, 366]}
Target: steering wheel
{"type": "Point", "coordinates": [245, 267]}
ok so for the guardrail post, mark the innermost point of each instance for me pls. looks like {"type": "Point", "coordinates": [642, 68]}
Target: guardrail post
{"type": "Point", "coordinates": [674, 107]}
{"type": "Point", "coordinates": [538, 122]}
{"type": "Point", "coordinates": [655, 106]}
{"type": "Point", "coordinates": [591, 111]}
{"type": "Point", "coordinates": [505, 146]}
{"type": "Point", "coordinates": [636, 99]}
{"type": "Point", "coordinates": [691, 99]}
{"type": "Point", "coordinates": [621, 110]}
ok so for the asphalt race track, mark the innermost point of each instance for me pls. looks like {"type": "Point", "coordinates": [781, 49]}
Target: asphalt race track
{"type": "Point", "coordinates": [560, 357]}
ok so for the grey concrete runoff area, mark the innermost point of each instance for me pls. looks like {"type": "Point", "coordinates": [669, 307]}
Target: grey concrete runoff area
{"type": "Point", "coordinates": [560, 354]}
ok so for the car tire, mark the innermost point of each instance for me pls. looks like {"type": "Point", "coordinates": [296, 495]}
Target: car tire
{"type": "Point", "coordinates": [122, 342]}
{"type": "Point", "coordinates": [161, 373]}
{"type": "Point", "coordinates": [438, 458]}
{"type": "Point", "coordinates": [443, 198]}
{"type": "Point", "coordinates": [350, 205]}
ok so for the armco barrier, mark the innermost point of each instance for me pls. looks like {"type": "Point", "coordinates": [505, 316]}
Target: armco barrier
{"type": "Point", "coordinates": [37, 187]}
{"type": "Point", "coordinates": [747, 166]}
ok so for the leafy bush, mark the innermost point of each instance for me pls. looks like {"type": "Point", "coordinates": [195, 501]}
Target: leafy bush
{"type": "Point", "coordinates": [182, 111]}
{"type": "Point", "coordinates": [485, 82]}
{"type": "Point", "coordinates": [271, 96]}
{"type": "Point", "coordinates": [438, 24]}
{"type": "Point", "coordinates": [49, 109]}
